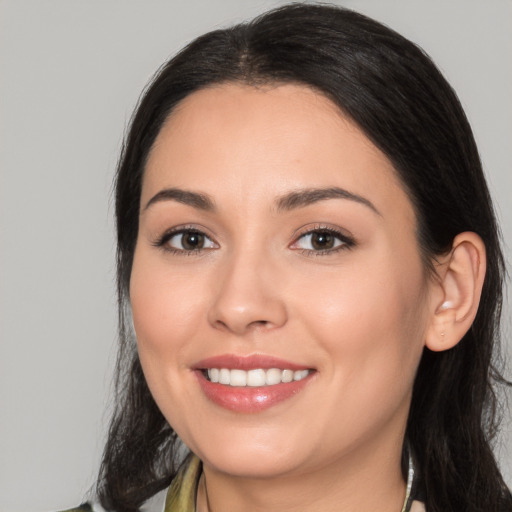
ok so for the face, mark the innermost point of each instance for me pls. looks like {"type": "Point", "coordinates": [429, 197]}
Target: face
{"type": "Point", "coordinates": [278, 295]}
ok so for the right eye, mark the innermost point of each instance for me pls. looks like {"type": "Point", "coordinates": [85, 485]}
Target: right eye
{"type": "Point", "coordinates": [186, 240]}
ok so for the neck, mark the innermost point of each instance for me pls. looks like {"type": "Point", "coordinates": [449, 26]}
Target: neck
{"type": "Point", "coordinates": [366, 480]}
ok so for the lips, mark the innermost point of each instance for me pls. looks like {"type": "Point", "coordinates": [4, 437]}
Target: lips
{"type": "Point", "coordinates": [250, 384]}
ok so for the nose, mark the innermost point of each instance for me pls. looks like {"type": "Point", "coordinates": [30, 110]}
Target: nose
{"type": "Point", "coordinates": [247, 296]}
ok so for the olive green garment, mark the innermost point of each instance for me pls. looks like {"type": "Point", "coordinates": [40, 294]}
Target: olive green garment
{"type": "Point", "coordinates": [181, 496]}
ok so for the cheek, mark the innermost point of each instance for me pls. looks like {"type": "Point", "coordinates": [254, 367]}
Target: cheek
{"type": "Point", "coordinates": [165, 317]}
{"type": "Point", "coordinates": [164, 305]}
{"type": "Point", "coordinates": [370, 322]}
{"type": "Point", "coordinates": [370, 331]}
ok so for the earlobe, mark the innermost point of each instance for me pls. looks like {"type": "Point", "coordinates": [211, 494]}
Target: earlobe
{"type": "Point", "coordinates": [461, 278]}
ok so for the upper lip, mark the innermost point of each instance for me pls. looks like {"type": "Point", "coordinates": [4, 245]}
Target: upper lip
{"type": "Point", "coordinates": [251, 362]}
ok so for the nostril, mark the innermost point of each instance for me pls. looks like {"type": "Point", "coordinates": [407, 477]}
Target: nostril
{"type": "Point", "coordinates": [259, 325]}
{"type": "Point", "coordinates": [243, 327]}
{"type": "Point", "coordinates": [221, 324]}
{"type": "Point", "coordinates": [240, 312]}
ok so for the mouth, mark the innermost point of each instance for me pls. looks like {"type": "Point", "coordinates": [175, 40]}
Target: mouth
{"type": "Point", "coordinates": [251, 384]}
{"type": "Point", "coordinates": [258, 377]}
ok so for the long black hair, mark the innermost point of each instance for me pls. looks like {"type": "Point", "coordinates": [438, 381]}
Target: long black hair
{"type": "Point", "coordinates": [399, 99]}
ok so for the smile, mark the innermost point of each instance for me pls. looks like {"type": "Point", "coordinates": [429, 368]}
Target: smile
{"type": "Point", "coordinates": [254, 378]}
{"type": "Point", "coordinates": [251, 384]}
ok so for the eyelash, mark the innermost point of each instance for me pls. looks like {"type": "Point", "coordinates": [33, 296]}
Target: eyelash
{"type": "Point", "coordinates": [164, 240]}
{"type": "Point", "coordinates": [347, 242]}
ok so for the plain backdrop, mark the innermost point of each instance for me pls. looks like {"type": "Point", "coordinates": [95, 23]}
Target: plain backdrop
{"type": "Point", "coordinates": [70, 74]}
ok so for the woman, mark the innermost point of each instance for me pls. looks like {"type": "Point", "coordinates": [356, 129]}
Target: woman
{"type": "Point", "coordinates": [309, 279]}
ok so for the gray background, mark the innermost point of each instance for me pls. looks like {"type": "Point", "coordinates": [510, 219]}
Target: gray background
{"type": "Point", "coordinates": [70, 74]}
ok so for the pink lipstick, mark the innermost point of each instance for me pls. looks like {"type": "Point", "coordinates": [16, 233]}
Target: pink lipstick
{"type": "Point", "coordinates": [250, 384]}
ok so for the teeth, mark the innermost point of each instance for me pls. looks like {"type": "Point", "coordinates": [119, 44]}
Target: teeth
{"type": "Point", "coordinates": [213, 374]}
{"type": "Point", "coordinates": [287, 375]}
{"type": "Point", "coordinates": [224, 376]}
{"type": "Point", "coordinates": [255, 378]}
{"type": "Point", "coordinates": [238, 378]}
{"type": "Point", "coordinates": [273, 376]}
{"type": "Point", "coordinates": [300, 374]}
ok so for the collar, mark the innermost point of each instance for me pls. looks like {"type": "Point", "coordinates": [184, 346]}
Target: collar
{"type": "Point", "coordinates": [181, 496]}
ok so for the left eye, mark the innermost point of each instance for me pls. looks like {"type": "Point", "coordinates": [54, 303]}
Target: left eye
{"type": "Point", "coordinates": [190, 241]}
{"type": "Point", "coordinates": [320, 241]}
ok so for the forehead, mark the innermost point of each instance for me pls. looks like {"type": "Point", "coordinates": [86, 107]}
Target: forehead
{"type": "Point", "coordinates": [254, 142]}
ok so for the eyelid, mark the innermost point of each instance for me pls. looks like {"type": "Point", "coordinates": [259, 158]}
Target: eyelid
{"type": "Point", "coordinates": [347, 239]}
{"type": "Point", "coordinates": [162, 240]}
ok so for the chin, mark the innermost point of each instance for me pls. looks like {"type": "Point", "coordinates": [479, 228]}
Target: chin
{"type": "Point", "coordinates": [252, 464]}
{"type": "Point", "coordinates": [253, 455]}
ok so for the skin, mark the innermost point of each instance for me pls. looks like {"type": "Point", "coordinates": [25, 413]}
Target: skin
{"type": "Point", "coordinates": [358, 316]}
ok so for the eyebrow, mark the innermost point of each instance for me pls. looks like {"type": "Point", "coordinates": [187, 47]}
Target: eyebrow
{"type": "Point", "coordinates": [194, 199]}
{"type": "Point", "coordinates": [305, 197]}
{"type": "Point", "coordinates": [291, 201]}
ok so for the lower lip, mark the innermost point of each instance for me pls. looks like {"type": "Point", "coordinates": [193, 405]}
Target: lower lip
{"type": "Point", "coordinates": [249, 399]}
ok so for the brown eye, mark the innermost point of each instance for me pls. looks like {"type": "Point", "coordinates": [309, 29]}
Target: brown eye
{"type": "Point", "coordinates": [322, 240]}
{"type": "Point", "coordinates": [191, 241]}
{"type": "Point", "coordinates": [188, 241]}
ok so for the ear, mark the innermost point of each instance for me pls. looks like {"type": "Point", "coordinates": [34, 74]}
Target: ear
{"type": "Point", "coordinates": [458, 290]}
